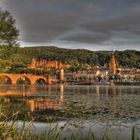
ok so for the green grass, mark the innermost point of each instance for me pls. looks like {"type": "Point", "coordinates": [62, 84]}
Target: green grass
{"type": "Point", "coordinates": [12, 133]}
{"type": "Point", "coordinates": [133, 135]}
{"type": "Point", "coordinates": [9, 131]}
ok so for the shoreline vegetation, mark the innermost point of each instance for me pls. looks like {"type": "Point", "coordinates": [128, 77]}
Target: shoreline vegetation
{"type": "Point", "coordinates": [9, 130]}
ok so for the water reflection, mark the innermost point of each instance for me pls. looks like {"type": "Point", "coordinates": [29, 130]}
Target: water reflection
{"type": "Point", "coordinates": [97, 100]}
{"type": "Point", "coordinates": [43, 103]}
{"type": "Point", "coordinates": [114, 100]}
{"type": "Point", "coordinates": [106, 88]}
{"type": "Point", "coordinates": [98, 95]}
{"type": "Point", "coordinates": [61, 93]}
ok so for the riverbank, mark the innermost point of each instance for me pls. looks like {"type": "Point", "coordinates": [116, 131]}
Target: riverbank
{"type": "Point", "coordinates": [73, 130]}
{"type": "Point", "coordinates": [123, 83]}
{"type": "Point", "coordinates": [127, 83]}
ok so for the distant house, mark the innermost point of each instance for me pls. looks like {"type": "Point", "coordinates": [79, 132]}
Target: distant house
{"type": "Point", "coordinates": [102, 71]}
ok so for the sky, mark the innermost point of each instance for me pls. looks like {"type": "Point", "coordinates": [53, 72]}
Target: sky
{"type": "Point", "coordinates": [88, 24]}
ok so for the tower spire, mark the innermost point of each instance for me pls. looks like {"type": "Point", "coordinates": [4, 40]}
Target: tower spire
{"type": "Point", "coordinates": [112, 49]}
{"type": "Point", "coordinates": [113, 62]}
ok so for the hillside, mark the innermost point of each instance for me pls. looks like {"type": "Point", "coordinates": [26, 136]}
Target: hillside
{"type": "Point", "coordinates": [23, 56]}
{"type": "Point", "coordinates": [127, 58]}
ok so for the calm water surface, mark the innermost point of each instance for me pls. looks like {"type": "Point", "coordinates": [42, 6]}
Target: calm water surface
{"type": "Point", "coordinates": [101, 105]}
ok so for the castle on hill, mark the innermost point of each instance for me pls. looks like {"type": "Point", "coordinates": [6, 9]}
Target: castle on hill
{"type": "Point", "coordinates": [43, 63]}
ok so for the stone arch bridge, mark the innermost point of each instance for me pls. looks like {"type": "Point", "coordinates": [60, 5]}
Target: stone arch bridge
{"type": "Point", "coordinates": [32, 79]}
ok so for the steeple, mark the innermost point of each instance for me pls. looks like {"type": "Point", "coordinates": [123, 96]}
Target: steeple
{"type": "Point", "coordinates": [113, 63]}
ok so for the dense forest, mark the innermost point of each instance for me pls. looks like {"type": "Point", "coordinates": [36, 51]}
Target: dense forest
{"type": "Point", "coordinates": [128, 58]}
{"type": "Point", "coordinates": [18, 56]}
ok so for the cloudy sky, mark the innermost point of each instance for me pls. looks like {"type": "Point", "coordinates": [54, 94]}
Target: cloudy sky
{"type": "Point", "coordinates": [89, 24]}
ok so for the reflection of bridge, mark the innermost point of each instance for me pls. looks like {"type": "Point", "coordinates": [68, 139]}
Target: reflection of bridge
{"type": "Point", "coordinates": [37, 102]}
{"type": "Point", "coordinates": [31, 79]}
{"type": "Point", "coordinates": [40, 97]}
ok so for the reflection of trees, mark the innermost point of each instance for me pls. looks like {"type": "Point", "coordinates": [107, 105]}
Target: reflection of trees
{"type": "Point", "coordinates": [17, 105]}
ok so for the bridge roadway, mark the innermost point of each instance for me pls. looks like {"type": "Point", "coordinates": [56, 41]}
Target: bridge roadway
{"type": "Point", "coordinates": [32, 79]}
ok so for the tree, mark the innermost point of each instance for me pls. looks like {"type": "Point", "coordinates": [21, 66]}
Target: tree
{"type": "Point", "coordinates": [8, 31]}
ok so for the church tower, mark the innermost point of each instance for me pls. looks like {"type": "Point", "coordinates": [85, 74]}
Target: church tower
{"type": "Point", "coordinates": [113, 63]}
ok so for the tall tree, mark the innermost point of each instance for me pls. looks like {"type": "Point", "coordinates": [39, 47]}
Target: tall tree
{"type": "Point", "coordinates": [8, 31]}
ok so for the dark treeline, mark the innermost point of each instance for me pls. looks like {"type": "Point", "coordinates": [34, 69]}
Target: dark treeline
{"type": "Point", "coordinates": [127, 58]}
{"type": "Point", "coordinates": [22, 56]}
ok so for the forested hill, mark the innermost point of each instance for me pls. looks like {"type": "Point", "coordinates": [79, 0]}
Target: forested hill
{"type": "Point", "coordinates": [23, 56]}
{"type": "Point", "coordinates": [127, 58]}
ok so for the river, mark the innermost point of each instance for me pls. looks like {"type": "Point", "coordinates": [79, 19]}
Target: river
{"type": "Point", "coordinates": [95, 107]}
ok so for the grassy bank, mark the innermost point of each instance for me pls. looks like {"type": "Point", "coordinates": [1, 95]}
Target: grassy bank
{"type": "Point", "coordinates": [10, 131]}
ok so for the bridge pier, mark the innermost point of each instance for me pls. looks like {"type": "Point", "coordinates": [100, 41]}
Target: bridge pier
{"type": "Point", "coordinates": [14, 80]}
{"type": "Point", "coordinates": [49, 80]}
{"type": "Point", "coordinates": [32, 82]}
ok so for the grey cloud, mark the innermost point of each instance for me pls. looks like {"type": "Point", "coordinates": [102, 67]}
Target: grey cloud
{"type": "Point", "coordinates": [84, 36]}
{"type": "Point", "coordinates": [89, 39]}
{"type": "Point", "coordinates": [90, 21]}
{"type": "Point", "coordinates": [130, 20]}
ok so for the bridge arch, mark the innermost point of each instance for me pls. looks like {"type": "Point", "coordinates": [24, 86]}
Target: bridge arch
{"type": "Point", "coordinates": [23, 80]}
{"type": "Point", "coordinates": [40, 81]}
{"type": "Point", "coordinates": [4, 79]}
{"type": "Point", "coordinates": [28, 78]}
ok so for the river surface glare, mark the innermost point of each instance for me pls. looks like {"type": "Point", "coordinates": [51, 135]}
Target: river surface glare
{"type": "Point", "coordinates": [95, 107]}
